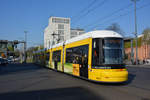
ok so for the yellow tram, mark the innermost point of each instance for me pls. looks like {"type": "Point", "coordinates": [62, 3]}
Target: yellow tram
{"type": "Point", "coordinates": [96, 55]}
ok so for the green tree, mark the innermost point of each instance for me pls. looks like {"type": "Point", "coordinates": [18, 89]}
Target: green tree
{"type": "Point", "coordinates": [31, 50]}
{"type": "Point", "coordinates": [10, 48]}
{"type": "Point", "coordinates": [146, 36]}
{"type": "Point", "coordinates": [16, 53]}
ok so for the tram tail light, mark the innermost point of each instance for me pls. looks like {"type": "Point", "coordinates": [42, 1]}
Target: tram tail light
{"type": "Point", "coordinates": [119, 70]}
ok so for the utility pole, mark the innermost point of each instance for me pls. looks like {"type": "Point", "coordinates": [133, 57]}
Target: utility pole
{"type": "Point", "coordinates": [136, 38]}
{"type": "Point", "coordinates": [25, 46]}
{"type": "Point", "coordinates": [132, 54]}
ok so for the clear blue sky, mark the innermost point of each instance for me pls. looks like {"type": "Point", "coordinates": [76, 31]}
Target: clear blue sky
{"type": "Point", "coordinates": [17, 16]}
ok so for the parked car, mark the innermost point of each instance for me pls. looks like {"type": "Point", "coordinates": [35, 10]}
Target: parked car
{"type": "Point", "coordinates": [10, 61]}
{"type": "Point", "coordinates": [3, 61]}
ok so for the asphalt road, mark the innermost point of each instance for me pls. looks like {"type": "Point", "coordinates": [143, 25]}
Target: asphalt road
{"type": "Point", "coordinates": [31, 82]}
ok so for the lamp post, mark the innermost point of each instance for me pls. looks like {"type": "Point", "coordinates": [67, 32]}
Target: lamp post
{"type": "Point", "coordinates": [25, 46]}
{"type": "Point", "coordinates": [53, 35]}
{"type": "Point", "coordinates": [132, 54]}
{"type": "Point", "coordinates": [136, 38]}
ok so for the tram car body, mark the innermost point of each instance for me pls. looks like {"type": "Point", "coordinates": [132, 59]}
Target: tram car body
{"type": "Point", "coordinates": [96, 55]}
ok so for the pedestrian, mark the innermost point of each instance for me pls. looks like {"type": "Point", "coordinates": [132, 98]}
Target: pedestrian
{"type": "Point", "coordinates": [138, 61]}
{"type": "Point", "coordinates": [143, 61]}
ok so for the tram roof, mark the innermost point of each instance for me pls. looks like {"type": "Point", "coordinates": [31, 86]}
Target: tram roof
{"type": "Point", "coordinates": [95, 34]}
{"type": "Point", "coordinates": [91, 34]}
{"type": "Point", "coordinates": [57, 45]}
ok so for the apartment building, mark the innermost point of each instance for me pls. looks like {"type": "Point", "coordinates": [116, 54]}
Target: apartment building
{"type": "Point", "coordinates": [76, 32]}
{"type": "Point", "coordinates": [58, 30]}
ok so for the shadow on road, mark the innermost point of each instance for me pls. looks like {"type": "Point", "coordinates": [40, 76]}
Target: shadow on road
{"type": "Point", "coordinates": [131, 77]}
{"type": "Point", "coordinates": [13, 68]}
{"type": "Point", "coordinates": [71, 93]}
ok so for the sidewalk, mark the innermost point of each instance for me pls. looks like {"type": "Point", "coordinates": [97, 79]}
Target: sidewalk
{"type": "Point", "coordinates": [140, 66]}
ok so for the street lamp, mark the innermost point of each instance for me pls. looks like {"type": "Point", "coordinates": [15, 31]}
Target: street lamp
{"type": "Point", "coordinates": [135, 30]}
{"type": "Point", "coordinates": [25, 45]}
{"type": "Point", "coordinates": [53, 35]}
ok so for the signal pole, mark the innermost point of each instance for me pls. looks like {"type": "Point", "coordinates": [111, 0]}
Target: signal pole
{"type": "Point", "coordinates": [136, 38]}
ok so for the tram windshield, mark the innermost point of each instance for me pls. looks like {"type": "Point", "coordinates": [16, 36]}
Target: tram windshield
{"type": "Point", "coordinates": [113, 51]}
{"type": "Point", "coordinates": [107, 51]}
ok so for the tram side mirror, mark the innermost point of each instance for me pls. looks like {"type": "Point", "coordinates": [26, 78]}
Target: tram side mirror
{"type": "Point", "coordinates": [94, 44]}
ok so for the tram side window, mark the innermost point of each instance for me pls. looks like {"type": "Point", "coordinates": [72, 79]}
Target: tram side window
{"type": "Point", "coordinates": [76, 52]}
{"type": "Point", "coordinates": [97, 52]}
{"type": "Point", "coordinates": [57, 55]}
{"type": "Point", "coordinates": [47, 56]}
{"type": "Point", "coordinates": [69, 56]}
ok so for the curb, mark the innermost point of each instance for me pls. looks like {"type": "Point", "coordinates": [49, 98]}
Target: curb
{"type": "Point", "coordinates": [140, 66]}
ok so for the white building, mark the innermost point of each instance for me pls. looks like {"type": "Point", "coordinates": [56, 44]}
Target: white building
{"type": "Point", "coordinates": [76, 32]}
{"type": "Point", "coordinates": [57, 30]}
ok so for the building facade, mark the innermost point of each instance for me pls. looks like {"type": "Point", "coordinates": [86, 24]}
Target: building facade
{"type": "Point", "coordinates": [58, 30]}
{"type": "Point", "coordinates": [76, 32]}
{"type": "Point", "coordinates": [143, 50]}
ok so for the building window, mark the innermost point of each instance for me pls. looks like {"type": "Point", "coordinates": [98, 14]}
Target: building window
{"type": "Point", "coordinates": [60, 20]}
{"type": "Point", "coordinates": [61, 32]}
{"type": "Point", "coordinates": [60, 26]}
{"type": "Point", "coordinates": [72, 36]}
{"type": "Point", "coordinates": [61, 38]}
{"type": "Point", "coordinates": [67, 21]}
{"type": "Point", "coordinates": [80, 33]}
{"type": "Point", "coordinates": [74, 33]}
